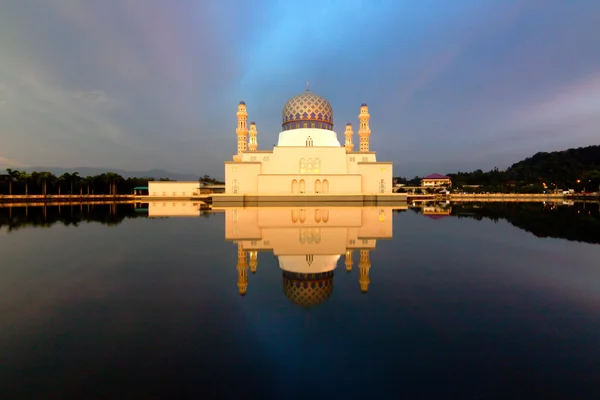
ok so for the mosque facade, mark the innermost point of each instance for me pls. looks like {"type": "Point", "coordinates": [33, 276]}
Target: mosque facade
{"type": "Point", "coordinates": [308, 159]}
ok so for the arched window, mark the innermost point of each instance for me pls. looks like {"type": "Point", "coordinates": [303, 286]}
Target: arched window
{"type": "Point", "coordinates": [382, 186]}
{"type": "Point", "coordinates": [317, 186]}
{"type": "Point", "coordinates": [365, 159]}
{"type": "Point", "coordinates": [309, 166]}
{"type": "Point", "coordinates": [325, 186]}
{"type": "Point", "coordinates": [317, 167]}
{"type": "Point", "coordinates": [294, 215]}
{"type": "Point", "coordinates": [302, 166]}
{"type": "Point", "coordinates": [235, 186]}
{"type": "Point", "coordinates": [309, 141]}
{"type": "Point", "coordinates": [317, 215]}
{"type": "Point", "coordinates": [294, 186]}
{"type": "Point", "coordinates": [302, 186]}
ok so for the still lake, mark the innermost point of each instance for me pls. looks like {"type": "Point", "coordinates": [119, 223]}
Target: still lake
{"type": "Point", "coordinates": [497, 300]}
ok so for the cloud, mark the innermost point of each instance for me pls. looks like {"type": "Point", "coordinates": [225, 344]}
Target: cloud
{"type": "Point", "coordinates": [94, 96]}
{"type": "Point", "coordinates": [8, 163]}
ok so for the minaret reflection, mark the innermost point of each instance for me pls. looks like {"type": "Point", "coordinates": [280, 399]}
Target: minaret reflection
{"type": "Point", "coordinates": [364, 265]}
{"type": "Point", "coordinates": [253, 260]}
{"type": "Point", "coordinates": [242, 270]}
{"type": "Point", "coordinates": [348, 260]}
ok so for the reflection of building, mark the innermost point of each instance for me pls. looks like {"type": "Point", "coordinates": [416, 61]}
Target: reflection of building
{"type": "Point", "coordinates": [308, 158]}
{"type": "Point", "coordinates": [436, 211]}
{"type": "Point", "coordinates": [436, 180]}
{"type": "Point", "coordinates": [172, 208]}
{"type": "Point", "coordinates": [308, 243]}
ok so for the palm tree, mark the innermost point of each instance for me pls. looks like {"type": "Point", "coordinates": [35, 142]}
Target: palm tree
{"type": "Point", "coordinates": [43, 177]}
{"type": "Point", "coordinates": [68, 179]}
{"type": "Point", "coordinates": [75, 178]}
{"type": "Point", "coordinates": [25, 177]}
{"type": "Point", "coordinates": [13, 176]}
{"type": "Point", "coordinates": [87, 180]}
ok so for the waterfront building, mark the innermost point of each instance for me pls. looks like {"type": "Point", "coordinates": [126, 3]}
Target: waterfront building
{"type": "Point", "coordinates": [436, 180]}
{"type": "Point", "coordinates": [308, 161]}
{"type": "Point", "coordinates": [308, 158]}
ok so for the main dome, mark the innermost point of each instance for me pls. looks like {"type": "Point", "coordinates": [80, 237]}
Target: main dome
{"type": "Point", "coordinates": [307, 110]}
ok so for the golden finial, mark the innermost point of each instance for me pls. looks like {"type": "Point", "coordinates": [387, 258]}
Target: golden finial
{"type": "Point", "coordinates": [307, 86]}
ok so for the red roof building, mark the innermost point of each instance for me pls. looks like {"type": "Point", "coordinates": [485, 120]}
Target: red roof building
{"type": "Point", "coordinates": [436, 180]}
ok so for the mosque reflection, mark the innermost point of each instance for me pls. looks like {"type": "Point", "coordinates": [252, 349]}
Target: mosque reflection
{"type": "Point", "coordinates": [308, 242]}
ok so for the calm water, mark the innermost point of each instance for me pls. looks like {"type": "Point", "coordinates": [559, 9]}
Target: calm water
{"type": "Point", "coordinates": [477, 301]}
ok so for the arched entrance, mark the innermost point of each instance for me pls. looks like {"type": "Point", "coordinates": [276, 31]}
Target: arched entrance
{"type": "Point", "coordinates": [325, 186]}
{"type": "Point", "coordinates": [302, 186]}
{"type": "Point", "coordinates": [294, 186]}
{"type": "Point", "coordinates": [318, 186]}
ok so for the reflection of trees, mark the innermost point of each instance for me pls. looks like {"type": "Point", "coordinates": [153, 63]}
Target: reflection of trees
{"type": "Point", "coordinates": [39, 216]}
{"type": "Point", "coordinates": [579, 222]}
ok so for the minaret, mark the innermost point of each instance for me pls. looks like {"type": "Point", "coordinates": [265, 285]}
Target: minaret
{"type": "Point", "coordinates": [252, 141]}
{"type": "Point", "coordinates": [349, 260]}
{"type": "Point", "coordinates": [364, 131]}
{"type": "Point", "coordinates": [349, 145]}
{"type": "Point", "coordinates": [241, 131]}
{"type": "Point", "coordinates": [253, 261]}
{"type": "Point", "coordinates": [364, 265]}
{"type": "Point", "coordinates": [242, 269]}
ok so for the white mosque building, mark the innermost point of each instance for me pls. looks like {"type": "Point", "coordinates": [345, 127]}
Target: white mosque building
{"type": "Point", "coordinates": [308, 160]}
{"type": "Point", "coordinates": [308, 163]}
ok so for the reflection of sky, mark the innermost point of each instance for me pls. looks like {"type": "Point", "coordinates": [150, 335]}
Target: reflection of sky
{"type": "Point", "coordinates": [157, 301]}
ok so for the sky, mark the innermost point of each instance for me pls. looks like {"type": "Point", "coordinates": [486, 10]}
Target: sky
{"type": "Point", "coordinates": [141, 84]}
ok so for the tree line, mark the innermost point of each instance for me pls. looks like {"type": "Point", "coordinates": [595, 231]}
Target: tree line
{"type": "Point", "coordinates": [577, 169]}
{"type": "Point", "coordinates": [45, 183]}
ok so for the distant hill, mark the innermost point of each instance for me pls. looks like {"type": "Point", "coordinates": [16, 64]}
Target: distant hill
{"type": "Point", "coordinates": [559, 166]}
{"type": "Point", "coordinates": [87, 171]}
{"type": "Point", "coordinates": [573, 168]}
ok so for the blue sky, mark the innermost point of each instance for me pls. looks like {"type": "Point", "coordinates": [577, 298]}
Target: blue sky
{"type": "Point", "coordinates": [142, 84]}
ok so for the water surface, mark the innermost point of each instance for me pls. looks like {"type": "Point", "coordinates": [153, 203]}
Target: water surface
{"type": "Point", "coordinates": [472, 300]}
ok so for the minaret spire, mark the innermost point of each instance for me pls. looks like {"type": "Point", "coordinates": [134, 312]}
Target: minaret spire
{"type": "Point", "coordinates": [241, 131]}
{"type": "Point", "coordinates": [252, 140]}
{"type": "Point", "coordinates": [364, 132]}
{"type": "Point", "coordinates": [348, 144]}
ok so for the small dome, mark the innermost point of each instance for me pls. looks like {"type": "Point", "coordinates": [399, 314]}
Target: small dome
{"type": "Point", "coordinates": [364, 105]}
{"type": "Point", "coordinates": [348, 124]}
{"type": "Point", "coordinates": [309, 108]}
{"type": "Point", "coordinates": [307, 290]}
{"type": "Point", "coordinates": [243, 102]}
{"type": "Point", "coordinates": [252, 123]}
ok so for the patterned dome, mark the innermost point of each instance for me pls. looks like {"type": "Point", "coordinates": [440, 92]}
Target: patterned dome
{"type": "Point", "coordinates": [307, 110]}
{"type": "Point", "coordinates": [307, 290]}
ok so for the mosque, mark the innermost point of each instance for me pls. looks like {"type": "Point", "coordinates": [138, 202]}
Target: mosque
{"type": "Point", "coordinates": [308, 162]}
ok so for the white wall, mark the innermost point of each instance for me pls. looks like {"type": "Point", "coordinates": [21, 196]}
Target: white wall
{"type": "Point", "coordinates": [373, 174]}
